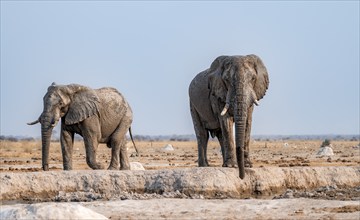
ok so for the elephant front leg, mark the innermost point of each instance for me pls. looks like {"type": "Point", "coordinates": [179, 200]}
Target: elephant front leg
{"type": "Point", "coordinates": [227, 142]}
{"type": "Point", "coordinates": [91, 133]}
{"type": "Point", "coordinates": [67, 140]}
{"type": "Point", "coordinates": [91, 145]}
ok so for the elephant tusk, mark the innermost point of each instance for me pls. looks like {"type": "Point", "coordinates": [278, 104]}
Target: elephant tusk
{"type": "Point", "coordinates": [34, 122]}
{"type": "Point", "coordinates": [256, 102]}
{"type": "Point", "coordinates": [223, 112]}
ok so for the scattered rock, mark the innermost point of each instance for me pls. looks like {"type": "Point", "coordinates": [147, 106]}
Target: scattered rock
{"type": "Point", "coordinates": [136, 166]}
{"type": "Point", "coordinates": [48, 211]}
{"type": "Point", "coordinates": [289, 194]}
{"type": "Point", "coordinates": [168, 147]}
{"type": "Point", "coordinates": [325, 151]}
{"type": "Point", "coordinates": [356, 147]}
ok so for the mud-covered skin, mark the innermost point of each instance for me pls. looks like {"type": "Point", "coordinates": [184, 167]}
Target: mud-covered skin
{"type": "Point", "coordinates": [98, 115]}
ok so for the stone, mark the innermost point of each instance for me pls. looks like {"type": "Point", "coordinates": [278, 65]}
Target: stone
{"type": "Point", "coordinates": [48, 211]}
{"type": "Point", "coordinates": [325, 151]}
{"type": "Point", "coordinates": [168, 147]}
{"type": "Point", "coordinates": [136, 166]}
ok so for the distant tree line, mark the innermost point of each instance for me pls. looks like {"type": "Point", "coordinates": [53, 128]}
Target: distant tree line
{"type": "Point", "coordinates": [193, 138]}
{"type": "Point", "coordinates": [15, 138]}
{"type": "Point", "coordinates": [164, 137]}
{"type": "Point", "coordinates": [306, 137]}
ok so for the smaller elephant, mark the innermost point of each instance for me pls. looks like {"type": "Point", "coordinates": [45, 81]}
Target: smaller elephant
{"type": "Point", "coordinates": [98, 115]}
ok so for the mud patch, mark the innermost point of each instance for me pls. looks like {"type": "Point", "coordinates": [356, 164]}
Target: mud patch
{"type": "Point", "coordinates": [325, 192]}
{"type": "Point", "coordinates": [342, 209]}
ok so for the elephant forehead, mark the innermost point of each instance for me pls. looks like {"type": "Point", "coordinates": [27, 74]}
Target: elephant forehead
{"type": "Point", "coordinates": [237, 59]}
{"type": "Point", "coordinates": [51, 97]}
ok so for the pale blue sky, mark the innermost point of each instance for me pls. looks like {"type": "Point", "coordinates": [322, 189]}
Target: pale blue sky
{"type": "Point", "coordinates": [150, 51]}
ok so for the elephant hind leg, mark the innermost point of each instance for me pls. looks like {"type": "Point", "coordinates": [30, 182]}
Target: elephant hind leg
{"type": "Point", "coordinates": [115, 152]}
{"type": "Point", "coordinates": [119, 156]}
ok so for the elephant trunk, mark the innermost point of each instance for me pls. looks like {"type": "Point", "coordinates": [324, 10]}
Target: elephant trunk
{"type": "Point", "coordinates": [240, 126]}
{"type": "Point", "coordinates": [240, 117]}
{"type": "Point", "coordinates": [45, 139]}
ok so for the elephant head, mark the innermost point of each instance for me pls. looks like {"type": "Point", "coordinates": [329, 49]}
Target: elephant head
{"type": "Point", "coordinates": [238, 82]}
{"type": "Point", "coordinates": [74, 102]}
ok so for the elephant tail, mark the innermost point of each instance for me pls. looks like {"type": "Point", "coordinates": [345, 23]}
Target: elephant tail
{"type": "Point", "coordinates": [132, 139]}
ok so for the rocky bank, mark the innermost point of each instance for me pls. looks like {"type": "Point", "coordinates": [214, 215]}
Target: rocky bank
{"type": "Point", "coordinates": [210, 183]}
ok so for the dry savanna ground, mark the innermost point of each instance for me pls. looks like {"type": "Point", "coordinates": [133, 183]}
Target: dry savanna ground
{"type": "Point", "coordinates": [23, 156]}
{"type": "Point", "coordinates": [326, 202]}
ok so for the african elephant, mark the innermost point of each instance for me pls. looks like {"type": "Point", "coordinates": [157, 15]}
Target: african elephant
{"type": "Point", "coordinates": [98, 115]}
{"type": "Point", "coordinates": [221, 95]}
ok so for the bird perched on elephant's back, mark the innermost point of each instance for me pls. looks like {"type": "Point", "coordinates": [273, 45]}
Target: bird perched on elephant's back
{"type": "Point", "coordinates": [98, 115]}
{"type": "Point", "coordinates": [223, 95]}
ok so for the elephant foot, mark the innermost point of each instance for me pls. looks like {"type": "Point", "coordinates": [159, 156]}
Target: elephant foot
{"type": "Point", "coordinates": [46, 167]}
{"type": "Point", "coordinates": [113, 167]}
{"type": "Point", "coordinates": [230, 163]}
{"type": "Point", "coordinates": [67, 167]}
{"type": "Point", "coordinates": [203, 164]}
{"type": "Point", "coordinates": [96, 166]}
{"type": "Point", "coordinates": [125, 168]}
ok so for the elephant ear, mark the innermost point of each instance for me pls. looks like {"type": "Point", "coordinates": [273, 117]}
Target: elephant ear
{"type": "Point", "coordinates": [217, 63]}
{"type": "Point", "coordinates": [85, 103]}
{"type": "Point", "coordinates": [262, 79]}
{"type": "Point", "coordinates": [227, 75]}
{"type": "Point", "coordinates": [216, 82]}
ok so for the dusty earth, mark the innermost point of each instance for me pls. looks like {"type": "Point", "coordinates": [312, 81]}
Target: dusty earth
{"type": "Point", "coordinates": [26, 156]}
{"type": "Point", "coordinates": [330, 199]}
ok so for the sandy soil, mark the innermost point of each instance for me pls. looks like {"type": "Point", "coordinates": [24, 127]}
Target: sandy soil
{"type": "Point", "coordinates": [325, 202]}
{"type": "Point", "coordinates": [227, 209]}
{"type": "Point", "coordinates": [187, 209]}
{"type": "Point", "coordinates": [26, 156]}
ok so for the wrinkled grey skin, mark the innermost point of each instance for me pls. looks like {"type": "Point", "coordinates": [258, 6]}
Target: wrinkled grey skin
{"type": "Point", "coordinates": [223, 95]}
{"type": "Point", "coordinates": [98, 115]}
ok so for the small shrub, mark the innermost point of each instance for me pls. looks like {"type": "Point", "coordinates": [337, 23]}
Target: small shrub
{"type": "Point", "coordinates": [325, 143]}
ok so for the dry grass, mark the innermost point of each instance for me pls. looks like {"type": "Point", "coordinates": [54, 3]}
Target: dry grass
{"type": "Point", "coordinates": [152, 156]}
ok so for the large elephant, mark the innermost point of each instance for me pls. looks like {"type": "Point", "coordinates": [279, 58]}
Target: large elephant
{"type": "Point", "coordinates": [98, 115]}
{"type": "Point", "coordinates": [221, 95]}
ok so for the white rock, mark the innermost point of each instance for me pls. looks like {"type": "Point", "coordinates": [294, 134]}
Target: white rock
{"type": "Point", "coordinates": [325, 151]}
{"type": "Point", "coordinates": [48, 211]}
{"type": "Point", "coordinates": [136, 166]}
{"type": "Point", "coordinates": [168, 147]}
